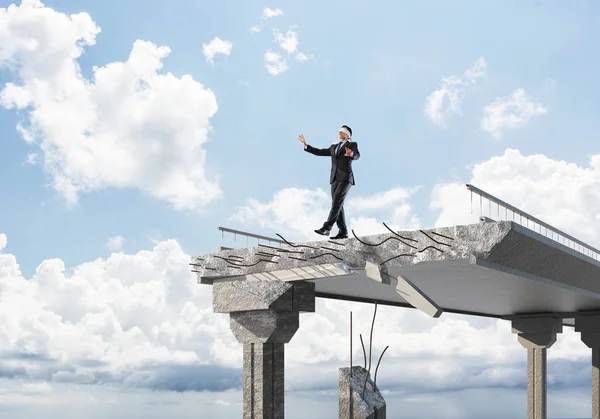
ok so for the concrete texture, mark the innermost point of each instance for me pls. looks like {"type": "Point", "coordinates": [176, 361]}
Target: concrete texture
{"type": "Point", "coordinates": [266, 326]}
{"type": "Point", "coordinates": [263, 316]}
{"type": "Point", "coordinates": [351, 403]}
{"type": "Point", "coordinates": [234, 295]}
{"type": "Point", "coordinates": [263, 381]}
{"type": "Point", "coordinates": [537, 335]}
{"type": "Point", "coordinates": [589, 327]}
{"type": "Point", "coordinates": [537, 400]}
{"type": "Point", "coordinates": [405, 288]}
{"type": "Point", "coordinates": [499, 269]}
{"type": "Point", "coordinates": [491, 269]}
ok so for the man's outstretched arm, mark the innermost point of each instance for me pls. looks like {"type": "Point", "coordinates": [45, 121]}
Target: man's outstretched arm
{"type": "Point", "coordinates": [313, 150]}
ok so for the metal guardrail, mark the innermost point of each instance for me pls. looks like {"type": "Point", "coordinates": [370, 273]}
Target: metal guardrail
{"type": "Point", "coordinates": [243, 233]}
{"type": "Point", "coordinates": [551, 232]}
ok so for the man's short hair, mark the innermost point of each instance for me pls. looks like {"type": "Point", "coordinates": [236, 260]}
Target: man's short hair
{"type": "Point", "coordinates": [348, 128]}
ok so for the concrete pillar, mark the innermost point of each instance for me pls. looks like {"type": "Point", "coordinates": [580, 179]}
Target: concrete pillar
{"type": "Point", "coordinates": [352, 403]}
{"type": "Point", "coordinates": [589, 327]}
{"type": "Point", "coordinates": [537, 335]}
{"type": "Point", "coordinates": [263, 316]}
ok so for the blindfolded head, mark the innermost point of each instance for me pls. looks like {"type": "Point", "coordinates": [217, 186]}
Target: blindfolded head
{"type": "Point", "coordinates": [345, 132]}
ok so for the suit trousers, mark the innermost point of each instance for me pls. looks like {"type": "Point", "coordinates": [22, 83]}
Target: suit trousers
{"type": "Point", "coordinates": [339, 190]}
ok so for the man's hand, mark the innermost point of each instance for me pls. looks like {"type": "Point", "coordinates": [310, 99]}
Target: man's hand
{"type": "Point", "coordinates": [349, 152]}
{"type": "Point", "coordinates": [302, 140]}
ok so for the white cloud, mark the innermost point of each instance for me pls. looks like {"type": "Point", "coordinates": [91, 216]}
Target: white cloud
{"type": "Point", "coordinates": [446, 100]}
{"type": "Point", "coordinates": [3, 241]}
{"type": "Point", "coordinates": [301, 57]}
{"type": "Point", "coordinates": [127, 127]}
{"type": "Point", "coordinates": [297, 212]}
{"type": "Point", "coordinates": [215, 47]}
{"type": "Point", "coordinates": [288, 42]}
{"type": "Point", "coordinates": [141, 320]}
{"type": "Point", "coordinates": [269, 13]}
{"type": "Point", "coordinates": [560, 193]}
{"type": "Point", "coordinates": [510, 112]}
{"type": "Point", "coordinates": [266, 15]}
{"type": "Point", "coordinates": [114, 244]}
{"type": "Point", "coordinates": [137, 320]}
{"type": "Point", "coordinates": [274, 63]}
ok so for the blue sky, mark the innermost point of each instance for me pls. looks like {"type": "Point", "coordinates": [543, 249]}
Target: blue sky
{"type": "Point", "coordinates": [510, 89]}
{"type": "Point", "coordinates": [372, 71]}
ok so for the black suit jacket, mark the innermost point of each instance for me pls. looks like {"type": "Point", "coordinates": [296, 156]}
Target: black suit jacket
{"type": "Point", "coordinates": [341, 166]}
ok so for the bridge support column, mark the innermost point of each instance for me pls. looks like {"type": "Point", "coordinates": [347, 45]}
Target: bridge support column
{"type": "Point", "coordinates": [263, 316]}
{"type": "Point", "coordinates": [537, 335]}
{"type": "Point", "coordinates": [589, 327]}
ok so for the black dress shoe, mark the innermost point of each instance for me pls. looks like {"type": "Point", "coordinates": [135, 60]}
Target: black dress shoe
{"type": "Point", "coordinates": [340, 235]}
{"type": "Point", "coordinates": [323, 231]}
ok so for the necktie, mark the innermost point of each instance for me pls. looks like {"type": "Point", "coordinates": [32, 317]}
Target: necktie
{"type": "Point", "coordinates": [337, 151]}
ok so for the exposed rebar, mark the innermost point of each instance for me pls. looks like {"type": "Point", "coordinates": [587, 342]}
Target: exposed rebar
{"type": "Point", "coordinates": [279, 249]}
{"type": "Point", "coordinates": [430, 247]}
{"type": "Point", "coordinates": [364, 352]}
{"type": "Point", "coordinates": [326, 254]}
{"type": "Point", "coordinates": [330, 248]}
{"type": "Point", "coordinates": [441, 235]}
{"type": "Point", "coordinates": [379, 244]}
{"type": "Point", "coordinates": [434, 240]}
{"type": "Point", "coordinates": [402, 237]}
{"type": "Point", "coordinates": [377, 367]}
{"type": "Point", "coordinates": [397, 256]}
{"type": "Point", "coordinates": [295, 245]}
{"type": "Point", "coordinates": [251, 264]}
{"type": "Point", "coordinates": [370, 352]}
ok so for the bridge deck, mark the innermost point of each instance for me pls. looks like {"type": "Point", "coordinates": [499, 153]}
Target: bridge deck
{"type": "Point", "coordinates": [493, 269]}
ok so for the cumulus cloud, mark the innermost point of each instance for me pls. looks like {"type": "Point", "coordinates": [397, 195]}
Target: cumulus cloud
{"type": "Point", "coordinates": [130, 320]}
{"type": "Point", "coordinates": [114, 244]}
{"type": "Point", "coordinates": [510, 112]}
{"type": "Point", "coordinates": [291, 210]}
{"type": "Point", "coordinates": [446, 100]}
{"type": "Point", "coordinates": [275, 63]}
{"type": "Point", "coordinates": [215, 47]}
{"type": "Point", "coordinates": [266, 15]}
{"type": "Point", "coordinates": [142, 321]}
{"type": "Point", "coordinates": [289, 43]}
{"type": "Point", "coordinates": [128, 126]}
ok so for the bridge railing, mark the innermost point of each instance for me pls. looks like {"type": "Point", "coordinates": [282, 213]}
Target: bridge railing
{"type": "Point", "coordinates": [529, 221]}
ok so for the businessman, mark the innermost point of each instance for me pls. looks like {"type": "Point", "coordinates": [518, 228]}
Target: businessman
{"type": "Point", "coordinates": [343, 151]}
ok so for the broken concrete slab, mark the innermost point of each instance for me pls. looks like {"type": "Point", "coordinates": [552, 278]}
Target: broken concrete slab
{"type": "Point", "coordinates": [352, 404]}
{"type": "Point", "coordinates": [492, 269]}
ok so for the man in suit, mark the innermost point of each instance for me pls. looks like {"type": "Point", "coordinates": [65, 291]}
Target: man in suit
{"type": "Point", "coordinates": [342, 152]}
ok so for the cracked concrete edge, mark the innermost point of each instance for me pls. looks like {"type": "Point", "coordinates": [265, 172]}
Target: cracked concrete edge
{"type": "Point", "coordinates": [466, 241]}
{"type": "Point", "coordinates": [351, 403]}
{"type": "Point", "coordinates": [251, 295]}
